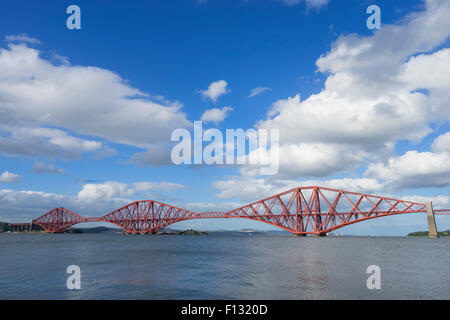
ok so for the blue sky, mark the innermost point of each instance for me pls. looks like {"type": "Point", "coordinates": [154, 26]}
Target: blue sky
{"type": "Point", "coordinates": [73, 133]}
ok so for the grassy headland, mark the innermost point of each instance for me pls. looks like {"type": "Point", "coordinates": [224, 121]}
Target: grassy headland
{"type": "Point", "coordinates": [445, 233]}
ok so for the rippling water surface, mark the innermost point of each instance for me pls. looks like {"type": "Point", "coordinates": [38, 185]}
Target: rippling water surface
{"type": "Point", "coordinates": [116, 266]}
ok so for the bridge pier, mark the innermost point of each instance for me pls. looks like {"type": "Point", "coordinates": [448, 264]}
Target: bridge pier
{"type": "Point", "coordinates": [313, 234]}
{"type": "Point", "coordinates": [432, 229]}
{"type": "Point", "coordinates": [319, 234]}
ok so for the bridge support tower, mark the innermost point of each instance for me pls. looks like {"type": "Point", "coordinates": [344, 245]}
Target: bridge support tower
{"type": "Point", "coordinates": [432, 229]}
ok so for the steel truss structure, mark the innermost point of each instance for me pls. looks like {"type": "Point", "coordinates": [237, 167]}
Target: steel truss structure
{"type": "Point", "coordinates": [305, 210]}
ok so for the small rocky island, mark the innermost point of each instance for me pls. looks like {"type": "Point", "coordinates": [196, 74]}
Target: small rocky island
{"type": "Point", "coordinates": [185, 232]}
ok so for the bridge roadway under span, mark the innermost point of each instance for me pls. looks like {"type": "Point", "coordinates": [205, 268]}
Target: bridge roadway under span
{"type": "Point", "coordinates": [302, 211]}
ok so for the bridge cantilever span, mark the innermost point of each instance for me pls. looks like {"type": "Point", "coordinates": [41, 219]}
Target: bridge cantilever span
{"type": "Point", "coordinates": [147, 216]}
{"type": "Point", "coordinates": [305, 210]}
{"type": "Point", "coordinates": [58, 220]}
{"type": "Point", "coordinates": [318, 210]}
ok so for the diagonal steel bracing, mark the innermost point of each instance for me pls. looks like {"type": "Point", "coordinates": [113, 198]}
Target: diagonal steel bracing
{"type": "Point", "coordinates": [304, 210]}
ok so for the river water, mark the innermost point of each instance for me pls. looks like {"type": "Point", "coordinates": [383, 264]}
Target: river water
{"type": "Point", "coordinates": [117, 266]}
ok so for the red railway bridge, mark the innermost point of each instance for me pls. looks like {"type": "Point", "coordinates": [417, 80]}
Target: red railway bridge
{"type": "Point", "coordinates": [305, 210]}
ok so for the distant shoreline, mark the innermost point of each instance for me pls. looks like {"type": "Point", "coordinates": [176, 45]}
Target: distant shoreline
{"type": "Point", "coordinates": [4, 228]}
{"type": "Point", "coordinates": [445, 233]}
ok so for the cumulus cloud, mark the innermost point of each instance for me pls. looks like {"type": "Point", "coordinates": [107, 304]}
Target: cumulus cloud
{"type": "Point", "coordinates": [119, 190]}
{"type": "Point", "coordinates": [257, 91]}
{"type": "Point", "coordinates": [9, 177]}
{"type": "Point", "coordinates": [104, 191]}
{"type": "Point", "coordinates": [307, 159]}
{"type": "Point", "coordinates": [380, 89]}
{"type": "Point", "coordinates": [37, 95]}
{"type": "Point", "coordinates": [215, 90]}
{"type": "Point", "coordinates": [216, 115]}
{"type": "Point", "coordinates": [442, 143]}
{"type": "Point", "coordinates": [414, 170]}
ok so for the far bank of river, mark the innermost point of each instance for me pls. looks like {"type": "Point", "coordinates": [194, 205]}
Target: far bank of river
{"type": "Point", "coordinates": [6, 227]}
{"type": "Point", "coordinates": [445, 233]}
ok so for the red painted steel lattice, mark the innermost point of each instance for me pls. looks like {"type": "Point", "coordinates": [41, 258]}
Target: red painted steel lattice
{"type": "Point", "coordinates": [305, 210]}
{"type": "Point", "coordinates": [319, 210]}
{"type": "Point", "coordinates": [147, 216]}
{"type": "Point", "coordinates": [58, 220]}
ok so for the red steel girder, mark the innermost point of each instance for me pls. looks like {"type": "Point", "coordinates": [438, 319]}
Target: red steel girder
{"type": "Point", "coordinates": [58, 220]}
{"type": "Point", "coordinates": [319, 210]}
{"type": "Point", "coordinates": [304, 210]}
{"type": "Point", "coordinates": [147, 216]}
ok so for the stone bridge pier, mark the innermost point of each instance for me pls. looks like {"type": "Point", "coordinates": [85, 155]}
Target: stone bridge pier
{"type": "Point", "coordinates": [432, 229]}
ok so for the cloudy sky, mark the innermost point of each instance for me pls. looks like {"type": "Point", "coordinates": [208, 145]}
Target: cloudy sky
{"type": "Point", "coordinates": [86, 115]}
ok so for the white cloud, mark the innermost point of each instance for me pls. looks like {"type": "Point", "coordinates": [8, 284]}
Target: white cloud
{"type": "Point", "coordinates": [442, 143]}
{"type": "Point", "coordinates": [308, 159]}
{"type": "Point", "coordinates": [215, 90]}
{"type": "Point", "coordinates": [215, 115]}
{"type": "Point", "coordinates": [119, 190]}
{"type": "Point", "coordinates": [94, 199]}
{"type": "Point", "coordinates": [413, 170]}
{"type": "Point", "coordinates": [316, 4]}
{"type": "Point", "coordinates": [157, 186]}
{"type": "Point", "coordinates": [252, 189]}
{"type": "Point", "coordinates": [439, 202]}
{"type": "Point", "coordinates": [425, 71]}
{"type": "Point", "coordinates": [9, 177]}
{"type": "Point", "coordinates": [25, 205]}
{"type": "Point", "coordinates": [35, 94]}
{"type": "Point", "coordinates": [364, 185]}
{"type": "Point", "coordinates": [41, 167]}
{"type": "Point", "coordinates": [373, 97]}
{"type": "Point", "coordinates": [24, 38]}
{"type": "Point", "coordinates": [36, 141]}
{"type": "Point", "coordinates": [201, 207]}
{"type": "Point", "coordinates": [310, 3]}
{"type": "Point", "coordinates": [104, 191]}
{"type": "Point", "coordinates": [257, 91]}
{"type": "Point", "coordinates": [416, 169]}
